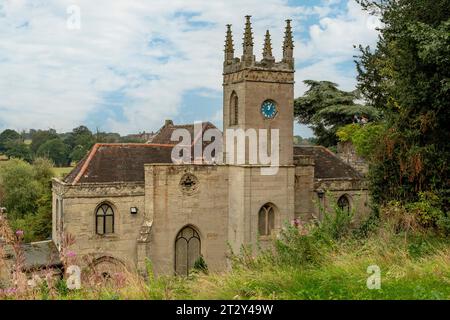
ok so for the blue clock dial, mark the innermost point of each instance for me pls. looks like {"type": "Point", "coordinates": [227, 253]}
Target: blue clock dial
{"type": "Point", "coordinates": [269, 109]}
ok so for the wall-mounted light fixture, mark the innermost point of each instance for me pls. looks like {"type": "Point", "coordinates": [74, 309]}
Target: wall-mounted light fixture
{"type": "Point", "coordinates": [133, 210]}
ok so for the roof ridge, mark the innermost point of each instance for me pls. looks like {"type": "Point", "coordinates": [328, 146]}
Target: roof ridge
{"type": "Point", "coordinates": [134, 144]}
{"type": "Point", "coordinates": [86, 163]}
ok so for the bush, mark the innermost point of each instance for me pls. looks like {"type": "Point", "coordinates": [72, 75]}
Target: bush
{"type": "Point", "coordinates": [427, 209]}
{"type": "Point", "coordinates": [295, 249]}
{"type": "Point", "coordinates": [444, 224]}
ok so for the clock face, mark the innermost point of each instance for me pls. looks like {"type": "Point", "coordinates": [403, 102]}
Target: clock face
{"type": "Point", "coordinates": [269, 109]}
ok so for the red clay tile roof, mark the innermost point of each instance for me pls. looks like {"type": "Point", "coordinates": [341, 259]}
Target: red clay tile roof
{"type": "Point", "coordinates": [327, 164]}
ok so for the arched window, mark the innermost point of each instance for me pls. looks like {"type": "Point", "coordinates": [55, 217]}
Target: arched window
{"type": "Point", "coordinates": [344, 203]}
{"type": "Point", "coordinates": [104, 219]}
{"type": "Point", "coordinates": [187, 250]}
{"type": "Point", "coordinates": [234, 109]}
{"type": "Point", "coordinates": [266, 220]}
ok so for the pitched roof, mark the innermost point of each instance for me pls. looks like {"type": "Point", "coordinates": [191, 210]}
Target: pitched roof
{"type": "Point", "coordinates": [165, 133]}
{"type": "Point", "coordinates": [327, 164]}
{"type": "Point", "coordinates": [118, 162]}
{"type": "Point", "coordinates": [36, 255]}
{"type": "Point", "coordinates": [124, 162]}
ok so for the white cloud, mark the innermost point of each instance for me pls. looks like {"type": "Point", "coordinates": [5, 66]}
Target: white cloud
{"type": "Point", "coordinates": [331, 43]}
{"type": "Point", "coordinates": [150, 52]}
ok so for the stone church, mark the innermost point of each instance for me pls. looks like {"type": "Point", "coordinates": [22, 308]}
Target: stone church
{"type": "Point", "coordinates": [126, 203]}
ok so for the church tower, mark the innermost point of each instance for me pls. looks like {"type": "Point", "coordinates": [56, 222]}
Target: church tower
{"type": "Point", "coordinates": [259, 94]}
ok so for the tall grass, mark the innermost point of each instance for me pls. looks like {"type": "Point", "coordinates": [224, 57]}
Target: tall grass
{"type": "Point", "coordinates": [326, 259]}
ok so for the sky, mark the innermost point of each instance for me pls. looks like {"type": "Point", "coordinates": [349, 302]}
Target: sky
{"type": "Point", "coordinates": [126, 66]}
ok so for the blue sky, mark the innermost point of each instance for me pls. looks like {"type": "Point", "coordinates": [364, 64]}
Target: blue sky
{"type": "Point", "coordinates": [126, 66]}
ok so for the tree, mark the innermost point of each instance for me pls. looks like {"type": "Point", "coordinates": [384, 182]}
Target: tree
{"type": "Point", "coordinates": [40, 137]}
{"type": "Point", "coordinates": [19, 150]}
{"type": "Point", "coordinates": [6, 137]}
{"type": "Point", "coordinates": [325, 109]}
{"type": "Point", "coordinates": [25, 191]}
{"type": "Point", "coordinates": [78, 153]}
{"type": "Point", "coordinates": [80, 141]}
{"type": "Point", "coordinates": [43, 171]}
{"type": "Point", "coordinates": [56, 151]}
{"type": "Point", "coordinates": [20, 191]}
{"type": "Point", "coordinates": [407, 77]}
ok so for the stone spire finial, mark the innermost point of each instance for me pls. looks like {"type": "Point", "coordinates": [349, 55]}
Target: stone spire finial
{"type": "Point", "coordinates": [248, 41]}
{"type": "Point", "coordinates": [267, 50]}
{"type": "Point", "coordinates": [288, 45]}
{"type": "Point", "coordinates": [229, 48]}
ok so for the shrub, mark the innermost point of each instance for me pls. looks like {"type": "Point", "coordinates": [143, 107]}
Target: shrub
{"type": "Point", "coordinates": [426, 209]}
{"type": "Point", "coordinates": [295, 249]}
{"type": "Point", "coordinates": [444, 224]}
{"type": "Point", "coordinates": [200, 265]}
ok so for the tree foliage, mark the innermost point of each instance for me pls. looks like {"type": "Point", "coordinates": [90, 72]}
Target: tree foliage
{"type": "Point", "coordinates": [39, 137]}
{"type": "Point", "coordinates": [56, 150]}
{"type": "Point", "coordinates": [26, 194]}
{"type": "Point", "coordinates": [407, 77]}
{"type": "Point", "coordinates": [6, 137]}
{"type": "Point", "coordinates": [325, 109]}
{"type": "Point", "coordinates": [18, 150]}
{"type": "Point", "coordinates": [21, 191]}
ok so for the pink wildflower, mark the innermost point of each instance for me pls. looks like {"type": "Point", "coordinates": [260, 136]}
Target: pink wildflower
{"type": "Point", "coordinates": [70, 254]}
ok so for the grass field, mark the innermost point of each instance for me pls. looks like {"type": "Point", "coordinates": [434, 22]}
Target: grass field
{"type": "Point", "coordinates": [62, 171]}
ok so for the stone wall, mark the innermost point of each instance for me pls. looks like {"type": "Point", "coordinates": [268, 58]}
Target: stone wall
{"type": "Point", "coordinates": [171, 208]}
{"type": "Point", "coordinates": [78, 218]}
{"type": "Point", "coordinates": [347, 153]}
{"type": "Point", "coordinates": [332, 189]}
{"type": "Point", "coordinates": [304, 188]}
{"type": "Point", "coordinates": [249, 191]}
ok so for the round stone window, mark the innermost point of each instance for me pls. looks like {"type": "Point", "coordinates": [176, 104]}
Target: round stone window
{"type": "Point", "coordinates": [189, 183]}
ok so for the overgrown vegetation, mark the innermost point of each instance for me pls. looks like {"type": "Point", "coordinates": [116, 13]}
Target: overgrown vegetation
{"type": "Point", "coordinates": [406, 77]}
{"type": "Point", "coordinates": [25, 190]}
{"type": "Point", "coordinates": [323, 260]}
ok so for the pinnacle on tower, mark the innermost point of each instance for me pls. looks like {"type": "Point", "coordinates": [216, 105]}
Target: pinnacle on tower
{"type": "Point", "coordinates": [229, 48]}
{"type": "Point", "coordinates": [267, 50]}
{"type": "Point", "coordinates": [288, 45]}
{"type": "Point", "coordinates": [248, 41]}
{"type": "Point", "coordinates": [288, 40]}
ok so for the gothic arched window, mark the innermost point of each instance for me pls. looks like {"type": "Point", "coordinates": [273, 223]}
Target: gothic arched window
{"type": "Point", "coordinates": [104, 219]}
{"type": "Point", "coordinates": [343, 203]}
{"type": "Point", "coordinates": [187, 250]}
{"type": "Point", "coordinates": [266, 219]}
{"type": "Point", "coordinates": [234, 109]}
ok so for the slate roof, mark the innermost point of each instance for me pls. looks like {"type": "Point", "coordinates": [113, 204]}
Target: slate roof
{"type": "Point", "coordinates": [118, 162]}
{"type": "Point", "coordinates": [327, 164]}
{"type": "Point", "coordinates": [37, 255]}
{"type": "Point", "coordinates": [41, 254]}
{"type": "Point", "coordinates": [124, 162]}
{"type": "Point", "coordinates": [165, 133]}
